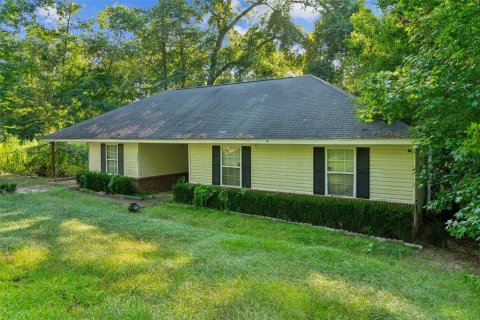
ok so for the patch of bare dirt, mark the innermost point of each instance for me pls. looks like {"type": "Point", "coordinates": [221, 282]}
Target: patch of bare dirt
{"type": "Point", "coordinates": [459, 255]}
{"type": "Point", "coordinates": [126, 200]}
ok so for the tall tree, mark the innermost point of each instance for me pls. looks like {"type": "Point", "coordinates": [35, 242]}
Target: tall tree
{"type": "Point", "coordinates": [173, 31]}
{"type": "Point", "coordinates": [326, 46]}
{"type": "Point", "coordinates": [34, 103]}
{"type": "Point", "coordinates": [273, 26]}
{"type": "Point", "coordinates": [436, 90]}
{"type": "Point", "coordinates": [378, 42]}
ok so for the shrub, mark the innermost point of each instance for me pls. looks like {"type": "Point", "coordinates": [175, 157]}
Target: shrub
{"type": "Point", "coordinates": [100, 181]}
{"type": "Point", "coordinates": [201, 194]}
{"type": "Point", "coordinates": [7, 187]}
{"type": "Point", "coordinates": [97, 181]}
{"type": "Point", "coordinates": [120, 185]}
{"type": "Point", "coordinates": [183, 192]}
{"type": "Point", "coordinates": [81, 178]}
{"type": "Point", "coordinates": [365, 216]}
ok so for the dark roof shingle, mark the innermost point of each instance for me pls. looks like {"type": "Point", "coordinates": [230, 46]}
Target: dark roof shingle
{"type": "Point", "coordinates": [288, 108]}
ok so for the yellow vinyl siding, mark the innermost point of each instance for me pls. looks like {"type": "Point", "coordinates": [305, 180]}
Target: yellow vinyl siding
{"type": "Point", "coordinates": [200, 163]}
{"type": "Point", "coordinates": [161, 159]}
{"type": "Point", "coordinates": [289, 168]}
{"type": "Point", "coordinates": [285, 168]}
{"type": "Point", "coordinates": [130, 165]}
{"type": "Point", "coordinates": [130, 160]}
{"type": "Point", "coordinates": [94, 159]}
{"type": "Point", "coordinates": [274, 168]}
{"type": "Point", "coordinates": [392, 175]}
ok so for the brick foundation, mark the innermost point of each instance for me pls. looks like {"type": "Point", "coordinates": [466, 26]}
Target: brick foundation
{"type": "Point", "coordinates": [158, 183]}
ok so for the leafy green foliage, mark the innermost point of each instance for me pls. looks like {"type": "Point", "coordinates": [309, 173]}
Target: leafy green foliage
{"type": "Point", "coordinates": [120, 185]}
{"type": "Point", "coordinates": [377, 43]}
{"type": "Point", "coordinates": [100, 181]}
{"type": "Point", "coordinates": [96, 181]}
{"type": "Point", "coordinates": [370, 217]}
{"type": "Point", "coordinates": [326, 47]}
{"type": "Point", "coordinates": [435, 90]}
{"type": "Point", "coordinates": [33, 158]}
{"type": "Point", "coordinates": [183, 192]}
{"type": "Point", "coordinates": [8, 187]}
{"type": "Point", "coordinates": [201, 195]}
{"type": "Point", "coordinates": [81, 178]}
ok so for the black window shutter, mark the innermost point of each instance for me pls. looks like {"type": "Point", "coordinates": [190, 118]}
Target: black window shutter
{"type": "Point", "coordinates": [120, 159]}
{"type": "Point", "coordinates": [103, 158]}
{"type": "Point", "coordinates": [216, 165]}
{"type": "Point", "coordinates": [363, 173]}
{"type": "Point", "coordinates": [246, 167]}
{"type": "Point", "coordinates": [319, 170]}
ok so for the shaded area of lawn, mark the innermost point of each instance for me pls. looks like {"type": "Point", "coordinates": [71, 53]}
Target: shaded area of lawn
{"type": "Point", "coordinates": [24, 181]}
{"type": "Point", "coordinates": [66, 254]}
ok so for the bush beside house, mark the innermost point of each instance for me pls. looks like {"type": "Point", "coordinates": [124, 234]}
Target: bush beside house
{"type": "Point", "coordinates": [378, 218]}
{"type": "Point", "coordinates": [99, 181]}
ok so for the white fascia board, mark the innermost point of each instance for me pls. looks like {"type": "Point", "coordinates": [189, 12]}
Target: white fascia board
{"type": "Point", "coordinates": [378, 141]}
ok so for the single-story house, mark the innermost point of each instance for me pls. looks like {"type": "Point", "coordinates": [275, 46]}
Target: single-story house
{"type": "Point", "coordinates": [296, 135]}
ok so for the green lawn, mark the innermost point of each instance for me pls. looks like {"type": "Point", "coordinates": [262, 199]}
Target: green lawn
{"type": "Point", "coordinates": [65, 254]}
{"type": "Point", "coordinates": [24, 181]}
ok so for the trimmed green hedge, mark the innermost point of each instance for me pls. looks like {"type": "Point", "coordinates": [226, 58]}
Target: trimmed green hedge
{"type": "Point", "coordinates": [383, 219]}
{"type": "Point", "coordinates": [99, 181]}
{"type": "Point", "coordinates": [7, 187]}
{"type": "Point", "coordinates": [120, 185]}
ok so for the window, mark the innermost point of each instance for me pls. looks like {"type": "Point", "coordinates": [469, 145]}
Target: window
{"type": "Point", "coordinates": [112, 158]}
{"type": "Point", "coordinates": [231, 166]}
{"type": "Point", "coordinates": [340, 172]}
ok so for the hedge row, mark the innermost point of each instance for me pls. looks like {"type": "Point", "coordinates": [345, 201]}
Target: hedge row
{"type": "Point", "coordinates": [383, 219]}
{"type": "Point", "coordinates": [7, 187]}
{"type": "Point", "coordinates": [99, 181]}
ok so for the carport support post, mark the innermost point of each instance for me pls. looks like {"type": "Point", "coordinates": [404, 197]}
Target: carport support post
{"type": "Point", "coordinates": [52, 159]}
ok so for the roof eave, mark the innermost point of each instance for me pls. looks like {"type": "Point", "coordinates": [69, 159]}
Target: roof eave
{"type": "Point", "coordinates": [305, 141]}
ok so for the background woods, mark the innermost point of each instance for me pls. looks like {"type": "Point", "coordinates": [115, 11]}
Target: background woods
{"type": "Point", "coordinates": [413, 61]}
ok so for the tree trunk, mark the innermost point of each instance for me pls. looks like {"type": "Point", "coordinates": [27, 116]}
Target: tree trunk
{"type": "Point", "coordinates": [223, 29]}
{"type": "Point", "coordinates": [52, 159]}
{"type": "Point", "coordinates": [212, 70]}
{"type": "Point", "coordinates": [183, 64]}
{"type": "Point", "coordinates": [163, 48]}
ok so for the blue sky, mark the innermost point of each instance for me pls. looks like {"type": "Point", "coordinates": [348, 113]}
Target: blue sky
{"type": "Point", "coordinates": [90, 8]}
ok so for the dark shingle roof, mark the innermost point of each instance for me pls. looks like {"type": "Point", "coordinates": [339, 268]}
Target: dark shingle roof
{"type": "Point", "coordinates": [288, 108]}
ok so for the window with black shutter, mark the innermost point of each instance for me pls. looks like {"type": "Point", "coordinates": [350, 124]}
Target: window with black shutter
{"type": "Point", "coordinates": [215, 165]}
{"type": "Point", "coordinates": [319, 170]}
{"type": "Point", "coordinates": [363, 173]}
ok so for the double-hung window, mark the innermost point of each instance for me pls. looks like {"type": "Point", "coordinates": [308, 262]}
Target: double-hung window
{"type": "Point", "coordinates": [231, 166]}
{"type": "Point", "coordinates": [112, 158]}
{"type": "Point", "coordinates": [341, 172]}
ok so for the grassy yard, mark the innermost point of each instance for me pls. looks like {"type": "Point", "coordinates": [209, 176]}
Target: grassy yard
{"type": "Point", "coordinates": [65, 254]}
{"type": "Point", "coordinates": [24, 181]}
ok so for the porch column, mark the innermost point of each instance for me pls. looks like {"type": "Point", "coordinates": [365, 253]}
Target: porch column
{"type": "Point", "coordinates": [52, 159]}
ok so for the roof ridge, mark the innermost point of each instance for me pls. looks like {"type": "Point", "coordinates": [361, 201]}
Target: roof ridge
{"type": "Point", "coordinates": [239, 82]}
{"type": "Point", "coordinates": [328, 84]}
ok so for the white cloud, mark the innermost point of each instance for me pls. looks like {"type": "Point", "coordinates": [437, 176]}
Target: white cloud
{"type": "Point", "coordinates": [307, 13]}
{"type": "Point", "coordinates": [257, 12]}
{"type": "Point", "coordinates": [237, 5]}
{"type": "Point", "coordinates": [204, 22]}
{"type": "Point", "coordinates": [48, 15]}
{"type": "Point", "coordinates": [240, 29]}
{"type": "Point", "coordinates": [298, 49]}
